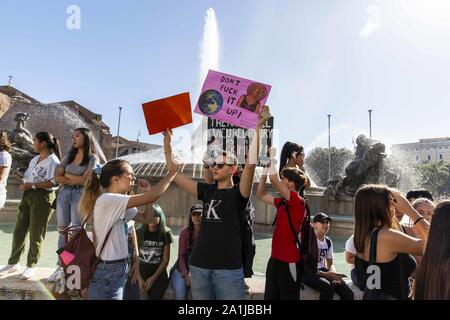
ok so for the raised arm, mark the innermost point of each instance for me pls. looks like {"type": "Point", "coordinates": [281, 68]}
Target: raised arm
{"type": "Point", "coordinates": [187, 184]}
{"type": "Point", "coordinates": [402, 243]}
{"type": "Point", "coordinates": [261, 193]}
{"type": "Point", "coordinates": [275, 178]}
{"type": "Point", "coordinates": [421, 226]}
{"type": "Point", "coordinates": [154, 193]}
{"type": "Point", "coordinates": [207, 175]}
{"type": "Point", "coordinates": [246, 183]}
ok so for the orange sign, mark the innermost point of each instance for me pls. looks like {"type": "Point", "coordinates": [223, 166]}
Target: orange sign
{"type": "Point", "coordinates": [171, 112]}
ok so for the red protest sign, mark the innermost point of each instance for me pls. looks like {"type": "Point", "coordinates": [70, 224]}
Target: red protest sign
{"type": "Point", "coordinates": [170, 112]}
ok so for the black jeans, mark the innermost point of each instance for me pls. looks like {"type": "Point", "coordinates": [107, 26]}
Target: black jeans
{"type": "Point", "coordinates": [279, 282]}
{"type": "Point", "coordinates": [326, 288]}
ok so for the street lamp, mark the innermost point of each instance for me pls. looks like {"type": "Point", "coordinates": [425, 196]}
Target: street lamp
{"type": "Point", "coordinates": [370, 123]}
{"type": "Point", "coordinates": [329, 146]}
{"type": "Point", "coordinates": [118, 130]}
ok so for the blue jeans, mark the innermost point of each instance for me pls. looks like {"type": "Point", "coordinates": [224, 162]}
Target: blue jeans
{"type": "Point", "coordinates": [209, 284]}
{"type": "Point", "coordinates": [108, 281]}
{"type": "Point", "coordinates": [66, 209]}
{"type": "Point", "coordinates": [178, 285]}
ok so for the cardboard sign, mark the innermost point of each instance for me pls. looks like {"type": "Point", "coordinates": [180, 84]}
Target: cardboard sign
{"type": "Point", "coordinates": [232, 99]}
{"type": "Point", "coordinates": [171, 112]}
{"type": "Point", "coordinates": [224, 136]}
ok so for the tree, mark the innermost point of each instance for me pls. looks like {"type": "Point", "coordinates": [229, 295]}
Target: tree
{"type": "Point", "coordinates": [434, 176]}
{"type": "Point", "coordinates": [317, 163]}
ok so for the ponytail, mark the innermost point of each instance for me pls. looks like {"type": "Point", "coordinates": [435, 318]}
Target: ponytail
{"type": "Point", "coordinates": [51, 141]}
{"type": "Point", "coordinates": [56, 148]}
{"type": "Point", "coordinates": [286, 153]}
{"type": "Point", "coordinates": [91, 192]}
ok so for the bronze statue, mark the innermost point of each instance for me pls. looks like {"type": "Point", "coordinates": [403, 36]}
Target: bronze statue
{"type": "Point", "coordinates": [22, 143]}
{"type": "Point", "coordinates": [367, 167]}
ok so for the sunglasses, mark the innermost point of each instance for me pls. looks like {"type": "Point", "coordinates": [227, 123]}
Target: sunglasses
{"type": "Point", "coordinates": [219, 165]}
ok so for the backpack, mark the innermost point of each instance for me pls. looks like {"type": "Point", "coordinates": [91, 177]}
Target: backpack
{"type": "Point", "coordinates": [79, 251]}
{"type": "Point", "coordinates": [306, 239]}
{"type": "Point", "coordinates": [247, 219]}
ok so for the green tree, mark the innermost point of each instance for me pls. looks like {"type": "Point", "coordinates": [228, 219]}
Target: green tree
{"type": "Point", "coordinates": [317, 163]}
{"type": "Point", "coordinates": [434, 176]}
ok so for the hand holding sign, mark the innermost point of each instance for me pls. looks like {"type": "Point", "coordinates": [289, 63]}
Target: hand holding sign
{"type": "Point", "coordinates": [232, 99]}
{"type": "Point", "coordinates": [264, 116]}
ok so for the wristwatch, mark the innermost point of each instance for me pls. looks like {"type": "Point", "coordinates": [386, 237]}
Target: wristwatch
{"type": "Point", "coordinates": [33, 187]}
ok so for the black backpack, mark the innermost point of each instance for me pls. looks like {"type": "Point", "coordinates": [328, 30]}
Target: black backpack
{"type": "Point", "coordinates": [306, 240]}
{"type": "Point", "coordinates": [247, 219]}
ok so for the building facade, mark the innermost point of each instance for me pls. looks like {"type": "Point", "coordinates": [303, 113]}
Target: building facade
{"type": "Point", "coordinates": [435, 149]}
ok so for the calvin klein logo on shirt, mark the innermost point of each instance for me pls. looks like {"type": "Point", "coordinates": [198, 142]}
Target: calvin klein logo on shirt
{"type": "Point", "coordinates": [211, 213]}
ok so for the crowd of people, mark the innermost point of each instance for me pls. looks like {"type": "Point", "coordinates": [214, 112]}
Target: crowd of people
{"type": "Point", "coordinates": [400, 248]}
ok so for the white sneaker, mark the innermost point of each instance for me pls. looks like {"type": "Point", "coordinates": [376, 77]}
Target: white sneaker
{"type": "Point", "coordinates": [10, 268]}
{"type": "Point", "coordinates": [28, 273]}
{"type": "Point", "coordinates": [55, 275]}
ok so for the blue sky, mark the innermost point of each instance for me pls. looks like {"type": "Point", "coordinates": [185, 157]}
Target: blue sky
{"type": "Point", "coordinates": [321, 57]}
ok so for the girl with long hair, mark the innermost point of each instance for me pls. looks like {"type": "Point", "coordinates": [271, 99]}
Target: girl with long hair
{"type": "Point", "coordinates": [180, 278]}
{"type": "Point", "coordinates": [35, 207]}
{"type": "Point", "coordinates": [105, 199]}
{"type": "Point", "coordinates": [375, 223]}
{"type": "Point", "coordinates": [432, 279]}
{"type": "Point", "coordinates": [293, 156]}
{"type": "Point", "coordinates": [154, 241]}
{"type": "Point", "coordinates": [72, 174]}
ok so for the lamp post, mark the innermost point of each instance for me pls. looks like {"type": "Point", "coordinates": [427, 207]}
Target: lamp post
{"type": "Point", "coordinates": [118, 130]}
{"type": "Point", "coordinates": [137, 141]}
{"type": "Point", "coordinates": [10, 80]}
{"type": "Point", "coordinates": [329, 146]}
{"type": "Point", "coordinates": [370, 123]}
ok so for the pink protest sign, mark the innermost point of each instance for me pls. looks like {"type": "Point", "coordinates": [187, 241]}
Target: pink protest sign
{"type": "Point", "coordinates": [232, 99]}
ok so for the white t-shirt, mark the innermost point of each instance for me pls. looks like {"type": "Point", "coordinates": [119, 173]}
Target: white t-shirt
{"type": "Point", "coordinates": [42, 171]}
{"type": "Point", "coordinates": [324, 252]}
{"type": "Point", "coordinates": [350, 245]}
{"type": "Point", "coordinates": [110, 210]}
{"type": "Point", "coordinates": [5, 161]}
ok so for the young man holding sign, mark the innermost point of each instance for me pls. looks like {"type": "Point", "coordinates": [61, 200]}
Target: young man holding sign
{"type": "Point", "coordinates": [216, 260]}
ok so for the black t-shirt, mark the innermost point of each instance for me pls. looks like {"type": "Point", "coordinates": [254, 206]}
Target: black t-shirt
{"type": "Point", "coordinates": [219, 243]}
{"type": "Point", "coordinates": [151, 246]}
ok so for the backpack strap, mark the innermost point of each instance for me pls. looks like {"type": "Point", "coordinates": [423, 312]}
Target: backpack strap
{"type": "Point", "coordinates": [104, 243]}
{"type": "Point", "coordinates": [328, 240]}
{"type": "Point", "coordinates": [292, 227]}
{"type": "Point", "coordinates": [373, 246]}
